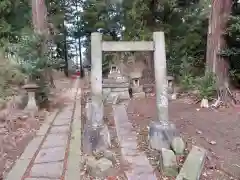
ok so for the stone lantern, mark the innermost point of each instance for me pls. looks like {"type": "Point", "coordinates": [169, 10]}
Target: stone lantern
{"type": "Point", "coordinates": [31, 105]}
{"type": "Point", "coordinates": [135, 81]}
{"type": "Point", "coordinates": [170, 80]}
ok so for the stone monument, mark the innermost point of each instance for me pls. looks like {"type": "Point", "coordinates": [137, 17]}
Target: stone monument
{"type": "Point", "coordinates": [137, 87]}
{"type": "Point", "coordinates": [116, 85]}
{"type": "Point", "coordinates": [96, 133]}
{"type": "Point", "coordinates": [31, 107]}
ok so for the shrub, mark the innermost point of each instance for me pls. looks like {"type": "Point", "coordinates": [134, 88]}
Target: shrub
{"type": "Point", "coordinates": [206, 86]}
{"type": "Point", "coordinates": [10, 76]}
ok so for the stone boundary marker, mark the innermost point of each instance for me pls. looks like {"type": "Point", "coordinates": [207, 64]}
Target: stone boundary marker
{"type": "Point", "coordinates": [140, 168]}
{"type": "Point", "coordinates": [75, 158]}
{"type": "Point", "coordinates": [51, 126]}
{"type": "Point", "coordinates": [193, 165]}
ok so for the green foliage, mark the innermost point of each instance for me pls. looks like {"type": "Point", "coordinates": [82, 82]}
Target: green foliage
{"type": "Point", "coordinates": [186, 78]}
{"type": "Point", "coordinates": [36, 61]}
{"type": "Point", "coordinates": [33, 55]}
{"type": "Point", "coordinates": [15, 15]}
{"type": "Point", "coordinates": [206, 86]}
{"type": "Point", "coordinates": [187, 82]}
{"type": "Point", "coordinates": [184, 23]}
{"type": "Point", "coordinates": [10, 76]}
{"type": "Point", "coordinates": [30, 55]}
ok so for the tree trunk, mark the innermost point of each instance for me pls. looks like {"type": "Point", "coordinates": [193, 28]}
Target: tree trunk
{"type": "Point", "coordinates": [40, 24]}
{"type": "Point", "coordinates": [65, 54]}
{"type": "Point", "coordinates": [218, 18]}
{"type": "Point", "coordinates": [39, 17]}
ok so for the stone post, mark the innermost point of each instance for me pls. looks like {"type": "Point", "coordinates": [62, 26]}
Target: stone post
{"type": "Point", "coordinates": [31, 107]}
{"type": "Point", "coordinates": [96, 79]}
{"type": "Point", "coordinates": [97, 134]}
{"type": "Point", "coordinates": [160, 69]}
{"type": "Point", "coordinates": [161, 131]}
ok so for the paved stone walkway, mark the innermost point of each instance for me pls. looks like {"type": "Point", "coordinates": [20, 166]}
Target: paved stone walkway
{"type": "Point", "coordinates": [54, 154]}
{"type": "Point", "coordinates": [140, 166]}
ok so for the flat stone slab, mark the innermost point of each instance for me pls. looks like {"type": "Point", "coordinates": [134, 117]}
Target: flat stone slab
{"type": "Point", "coordinates": [140, 167]}
{"type": "Point", "coordinates": [112, 81]}
{"type": "Point", "coordinates": [59, 121]}
{"type": "Point", "coordinates": [119, 89]}
{"type": "Point", "coordinates": [40, 179]}
{"type": "Point", "coordinates": [112, 85]}
{"type": "Point", "coordinates": [67, 111]}
{"type": "Point", "coordinates": [18, 169]}
{"type": "Point", "coordinates": [75, 161]}
{"type": "Point", "coordinates": [47, 170]}
{"type": "Point", "coordinates": [193, 165]}
{"type": "Point", "coordinates": [60, 129]}
{"type": "Point", "coordinates": [50, 155]}
{"type": "Point", "coordinates": [139, 95]}
{"type": "Point", "coordinates": [32, 148]}
{"type": "Point", "coordinates": [45, 126]}
{"type": "Point", "coordinates": [55, 140]}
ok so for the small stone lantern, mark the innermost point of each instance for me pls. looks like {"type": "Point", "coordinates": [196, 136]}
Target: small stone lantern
{"type": "Point", "coordinates": [114, 68]}
{"type": "Point", "coordinates": [135, 81]}
{"type": "Point", "coordinates": [31, 105]}
{"type": "Point", "coordinates": [170, 80]}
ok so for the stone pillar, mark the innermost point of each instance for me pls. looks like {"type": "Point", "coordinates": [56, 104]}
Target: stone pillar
{"type": "Point", "coordinates": [31, 105]}
{"type": "Point", "coordinates": [161, 132]}
{"type": "Point", "coordinates": [96, 133]}
{"type": "Point", "coordinates": [160, 68]}
{"type": "Point", "coordinates": [96, 79]}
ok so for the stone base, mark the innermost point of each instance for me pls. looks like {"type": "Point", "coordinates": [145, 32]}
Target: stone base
{"type": "Point", "coordinates": [96, 139]}
{"type": "Point", "coordinates": [110, 156]}
{"type": "Point", "coordinates": [139, 95]}
{"type": "Point", "coordinates": [161, 135]}
{"type": "Point", "coordinates": [137, 89]}
{"type": "Point", "coordinates": [100, 167]}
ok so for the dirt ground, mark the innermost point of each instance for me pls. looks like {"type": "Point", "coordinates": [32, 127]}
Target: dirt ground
{"type": "Point", "coordinates": [218, 131]}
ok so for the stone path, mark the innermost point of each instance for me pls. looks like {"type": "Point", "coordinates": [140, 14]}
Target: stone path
{"type": "Point", "coordinates": [54, 153]}
{"type": "Point", "coordinates": [140, 166]}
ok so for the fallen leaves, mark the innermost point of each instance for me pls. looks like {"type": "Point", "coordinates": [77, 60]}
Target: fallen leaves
{"type": "Point", "coordinates": [111, 178]}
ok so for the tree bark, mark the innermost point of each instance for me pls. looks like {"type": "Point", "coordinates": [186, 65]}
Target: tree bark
{"type": "Point", "coordinates": [40, 25]}
{"type": "Point", "coordinates": [65, 54]}
{"type": "Point", "coordinates": [39, 16]}
{"type": "Point", "coordinates": [215, 63]}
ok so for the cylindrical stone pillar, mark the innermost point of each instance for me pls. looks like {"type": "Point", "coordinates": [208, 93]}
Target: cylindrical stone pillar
{"type": "Point", "coordinates": [160, 69]}
{"type": "Point", "coordinates": [96, 79]}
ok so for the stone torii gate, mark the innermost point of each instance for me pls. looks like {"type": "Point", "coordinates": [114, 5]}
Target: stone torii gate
{"type": "Point", "coordinates": [159, 129]}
